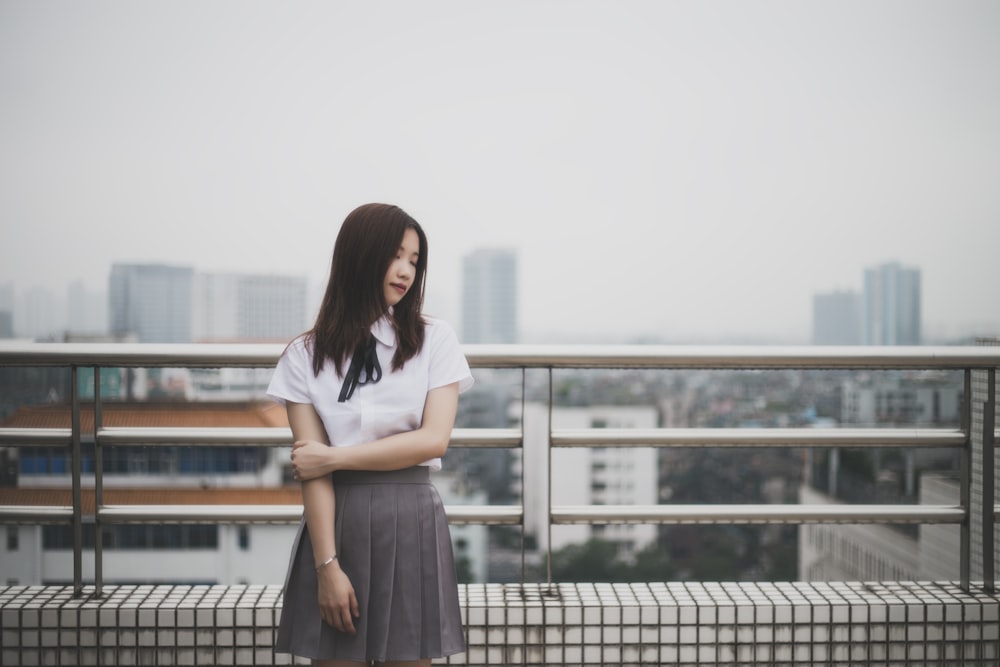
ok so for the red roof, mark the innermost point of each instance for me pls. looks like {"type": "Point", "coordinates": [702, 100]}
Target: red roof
{"type": "Point", "coordinates": [153, 414]}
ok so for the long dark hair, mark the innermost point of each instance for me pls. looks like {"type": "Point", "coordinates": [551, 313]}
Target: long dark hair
{"type": "Point", "coordinates": [366, 245]}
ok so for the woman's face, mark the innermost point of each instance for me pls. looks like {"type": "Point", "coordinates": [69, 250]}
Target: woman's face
{"type": "Point", "coordinates": [403, 268]}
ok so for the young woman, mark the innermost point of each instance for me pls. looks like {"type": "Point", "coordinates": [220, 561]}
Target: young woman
{"type": "Point", "coordinates": [371, 393]}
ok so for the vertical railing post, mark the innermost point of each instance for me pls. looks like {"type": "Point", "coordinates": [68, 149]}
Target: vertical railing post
{"type": "Point", "coordinates": [548, 488]}
{"type": "Point", "coordinates": [989, 492]}
{"type": "Point", "coordinates": [524, 468]}
{"type": "Point", "coordinates": [77, 473]}
{"type": "Point", "coordinates": [965, 485]}
{"type": "Point", "coordinates": [98, 488]}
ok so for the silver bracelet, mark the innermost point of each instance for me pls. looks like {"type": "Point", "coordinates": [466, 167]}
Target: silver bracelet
{"type": "Point", "coordinates": [326, 562]}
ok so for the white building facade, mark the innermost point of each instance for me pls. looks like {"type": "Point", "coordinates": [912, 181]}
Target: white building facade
{"type": "Point", "coordinates": [228, 307]}
{"type": "Point", "coordinates": [588, 476]}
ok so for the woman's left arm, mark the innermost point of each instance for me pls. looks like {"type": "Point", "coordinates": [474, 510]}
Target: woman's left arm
{"type": "Point", "coordinates": [313, 459]}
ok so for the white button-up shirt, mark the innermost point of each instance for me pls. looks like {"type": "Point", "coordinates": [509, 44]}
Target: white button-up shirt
{"type": "Point", "coordinates": [393, 405]}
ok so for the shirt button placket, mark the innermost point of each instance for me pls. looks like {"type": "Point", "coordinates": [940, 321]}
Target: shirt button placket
{"type": "Point", "coordinates": [364, 400]}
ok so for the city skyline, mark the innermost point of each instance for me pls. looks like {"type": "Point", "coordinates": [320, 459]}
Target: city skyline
{"type": "Point", "coordinates": [830, 308]}
{"type": "Point", "coordinates": [685, 171]}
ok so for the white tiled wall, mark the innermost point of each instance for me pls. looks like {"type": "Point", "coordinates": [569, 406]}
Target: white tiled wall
{"type": "Point", "coordinates": [886, 623]}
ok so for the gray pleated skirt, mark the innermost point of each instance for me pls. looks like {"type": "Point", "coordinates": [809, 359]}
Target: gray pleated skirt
{"type": "Point", "coordinates": [393, 543]}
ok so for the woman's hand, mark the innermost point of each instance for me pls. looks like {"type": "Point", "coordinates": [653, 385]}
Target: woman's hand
{"type": "Point", "coordinates": [337, 603]}
{"type": "Point", "coordinates": [310, 459]}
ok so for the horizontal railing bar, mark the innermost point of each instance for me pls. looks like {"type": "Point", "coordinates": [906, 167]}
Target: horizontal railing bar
{"type": "Point", "coordinates": [487, 437]}
{"type": "Point", "coordinates": [277, 436]}
{"type": "Point", "coordinates": [35, 437]}
{"type": "Point", "coordinates": [523, 356]}
{"type": "Point", "coordinates": [117, 435]}
{"type": "Point", "coordinates": [472, 437]}
{"type": "Point", "coordinates": [736, 357]}
{"type": "Point", "coordinates": [457, 514]}
{"type": "Point", "coordinates": [35, 514]}
{"type": "Point", "coordinates": [508, 515]}
{"type": "Point", "coordinates": [740, 514]}
{"type": "Point", "coordinates": [758, 437]}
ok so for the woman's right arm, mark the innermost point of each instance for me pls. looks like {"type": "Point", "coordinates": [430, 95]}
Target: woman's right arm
{"type": "Point", "coordinates": [337, 603]}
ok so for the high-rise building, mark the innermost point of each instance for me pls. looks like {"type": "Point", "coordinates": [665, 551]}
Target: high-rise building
{"type": "Point", "coordinates": [151, 301]}
{"type": "Point", "coordinates": [837, 318]}
{"type": "Point", "coordinates": [40, 314]}
{"type": "Point", "coordinates": [248, 307]}
{"type": "Point", "coordinates": [7, 310]}
{"type": "Point", "coordinates": [87, 310]}
{"type": "Point", "coordinates": [891, 314]}
{"type": "Point", "coordinates": [489, 296]}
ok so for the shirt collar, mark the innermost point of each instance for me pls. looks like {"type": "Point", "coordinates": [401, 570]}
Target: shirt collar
{"type": "Point", "coordinates": [383, 330]}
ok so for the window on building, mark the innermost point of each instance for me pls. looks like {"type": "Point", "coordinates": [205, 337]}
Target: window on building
{"type": "Point", "coordinates": [12, 538]}
{"type": "Point", "coordinates": [243, 537]}
{"type": "Point", "coordinates": [135, 537]}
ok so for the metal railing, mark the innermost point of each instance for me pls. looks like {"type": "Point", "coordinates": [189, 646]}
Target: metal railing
{"type": "Point", "coordinates": [525, 357]}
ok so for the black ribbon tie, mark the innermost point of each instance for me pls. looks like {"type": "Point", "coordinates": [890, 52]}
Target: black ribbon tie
{"type": "Point", "coordinates": [364, 360]}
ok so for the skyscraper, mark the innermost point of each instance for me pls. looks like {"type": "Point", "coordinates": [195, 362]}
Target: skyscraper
{"type": "Point", "coordinates": [837, 318]}
{"type": "Point", "coordinates": [152, 301]}
{"type": "Point", "coordinates": [489, 296]}
{"type": "Point", "coordinates": [891, 313]}
{"type": "Point", "coordinates": [7, 310]}
{"type": "Point", "coordinates": [88, 311]}
{"type": "Point", "coordinates": [230, 306]}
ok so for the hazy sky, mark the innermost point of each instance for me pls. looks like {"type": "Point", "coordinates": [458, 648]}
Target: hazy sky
{"type": "Point", "coordinates": [687, 170]}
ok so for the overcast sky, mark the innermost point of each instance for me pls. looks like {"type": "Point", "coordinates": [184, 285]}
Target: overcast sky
{"type": "Point", "coordinates": [684, 170]}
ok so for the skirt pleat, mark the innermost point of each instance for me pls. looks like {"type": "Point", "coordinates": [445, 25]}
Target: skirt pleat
{"type": "Point", "coordinates": [393, 543]}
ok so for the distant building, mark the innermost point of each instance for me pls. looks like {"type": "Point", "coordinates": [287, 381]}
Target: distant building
{"type": "Point", "coordinates": [862, 552]}
{"type": "Point", "coordinates": [6, 310]}
{"type": "Point", "coordinates": [40, 314]}
{"type": "Point", "coordinates": [87, 310]}
{"type": "Point", "coordinates": [939, 559]}
{"type": "Point", "coordinates": [7, 296]}
{"type": "Point", "coordinates": [489, 296]}
{"type": "Point", "coordinates": [589, 475]}
{"type": "Point", "coordinates": [230, 307]}
{"type": "Point", "coordinates": [470, 541]}
{"type": "Point", "coordinates": [923, 399]}
{"type": "Point", "coordinates": [870, 552]}
{"type": "Point", "coordinates": [137, 474]}
{"type": "Point", "coordinates": [837, 318]}
{"type": "Point", "coordinates": [172, 475]}
{"type": "Point", "coordinates": [226, 384]}
{"type": "Point", "coordinates": [891, 314]}
{"type": "Point", "coordinates": [152, 301]}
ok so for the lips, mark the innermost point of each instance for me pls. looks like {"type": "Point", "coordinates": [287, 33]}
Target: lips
{"type": "Point", "coordinates": [399, 287]}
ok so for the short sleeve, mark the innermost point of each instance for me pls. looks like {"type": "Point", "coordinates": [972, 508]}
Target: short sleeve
{"type": "Point", "coordinates": [447, 363]}
{"type": "Point", "coordinates": [290, 381]}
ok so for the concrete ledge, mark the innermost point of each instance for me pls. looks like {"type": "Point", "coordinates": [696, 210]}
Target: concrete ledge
{"type": "Point", "coordinates": [835, 623]}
